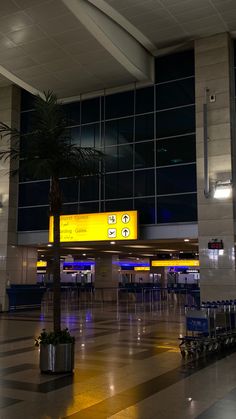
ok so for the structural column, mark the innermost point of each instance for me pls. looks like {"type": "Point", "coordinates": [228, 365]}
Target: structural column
{"type": "Point", "coordinates": [17, 264]}
{"type": "Point", "coordinates": [106, 277]}
{"type": "Point", "coordinates": [214, 87]}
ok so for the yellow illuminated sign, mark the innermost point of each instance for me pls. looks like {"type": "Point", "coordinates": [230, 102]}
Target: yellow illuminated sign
{"type": "Point", "coordinates": [176, 262]}
{"type": "Point", "coordinates": [120, 225]}
{"type": "Point", "coordinates": [41, 264]}
{"type": "Point", "coordinates": [142, 268]}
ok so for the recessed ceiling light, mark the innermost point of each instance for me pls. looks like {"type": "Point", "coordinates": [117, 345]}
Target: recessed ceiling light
{"type": "Point", "coordinates": [79, 248]}
{"type": "Point", "coordinates": [84, 254]}
{"type": "Point", "coordinates": [186, 240]}
{"type": "Point", "coordinates": [112, 242]}
{"type": "Point", "coordinates": [138, 246]}
{"type": "Point", "coordinates": [147, 254]}
{"type": "Point", "coordinates": [165, 250]}
{"type": "Point", "coordinates": [49, 245]}
{"type": "Point", "coordinates": [111, 251]}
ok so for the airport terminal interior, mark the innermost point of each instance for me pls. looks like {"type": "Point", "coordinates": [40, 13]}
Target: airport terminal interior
{"type": "Point", "coordinates": [146, 255]}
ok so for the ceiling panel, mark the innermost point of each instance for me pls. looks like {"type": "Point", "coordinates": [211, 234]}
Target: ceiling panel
{"type": "Point", "coordinates": [59, 24]}
{"type": "Point", "coordinates": [44, 12]}
{"type": "Point", "coordinates": [45, 45]}
{"type": "Point", "coordinates": [25, 35]}
{"type": "Point", "coordinates": [8, 7]}
{"type": "Point", "coordinates": [14, 22]}
{"type": "Point", "coordinates": [23, 4]}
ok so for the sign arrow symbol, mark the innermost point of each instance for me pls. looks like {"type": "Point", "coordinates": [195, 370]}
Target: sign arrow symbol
{"type": "Point", "coordinates": [125, 232]}
{"type": "Point", "coordinates": [125, 218]}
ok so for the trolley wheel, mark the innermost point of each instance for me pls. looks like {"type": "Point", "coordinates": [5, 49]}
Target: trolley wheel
{"type": "Point", "coordinates": [183, 353]}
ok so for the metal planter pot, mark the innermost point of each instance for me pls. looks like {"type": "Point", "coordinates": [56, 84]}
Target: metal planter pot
{"type": "Point", "coordinates": [57, 358]}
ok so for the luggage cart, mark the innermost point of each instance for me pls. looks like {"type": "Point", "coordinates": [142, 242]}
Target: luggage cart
{"type": "Point", "coordinates": [210, 328]}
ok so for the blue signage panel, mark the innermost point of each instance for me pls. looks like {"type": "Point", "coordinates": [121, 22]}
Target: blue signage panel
{"type": "Point", "coordinates": [195, 324]}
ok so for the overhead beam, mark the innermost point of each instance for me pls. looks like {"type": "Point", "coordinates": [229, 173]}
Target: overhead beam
{"type": "Point", "coordinates": [16, 80]}
{"type": "Point", "coordinates": [115, 39]}
{"type": "Point", "coordinates": [126, 24]}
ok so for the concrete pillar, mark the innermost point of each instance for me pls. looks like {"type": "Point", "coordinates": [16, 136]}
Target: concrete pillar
{"type": "Point", "coordinates": [213, 71]}
{"type": "Point", "coordinates": [106, 277]}
{"type": "Point", "coordinates": [17, 265]}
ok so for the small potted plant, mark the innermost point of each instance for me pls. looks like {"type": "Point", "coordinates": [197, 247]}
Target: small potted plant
{"type": "Point", "coordinates": [56, 351]}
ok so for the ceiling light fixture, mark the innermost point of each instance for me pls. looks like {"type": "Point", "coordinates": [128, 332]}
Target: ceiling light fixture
{"type": "Point", "coordinates": [223, 190]}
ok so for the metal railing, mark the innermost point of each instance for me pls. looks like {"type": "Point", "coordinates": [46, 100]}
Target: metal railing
{"type": "Point", "coordinates": [124, 295]}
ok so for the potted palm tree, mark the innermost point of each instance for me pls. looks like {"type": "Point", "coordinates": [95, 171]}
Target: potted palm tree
{"type": "Point", "coordinates": [49, 151]}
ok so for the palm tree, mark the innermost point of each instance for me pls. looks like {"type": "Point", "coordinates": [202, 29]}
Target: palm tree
{"type": "Point", "coordinates": [47, 150]}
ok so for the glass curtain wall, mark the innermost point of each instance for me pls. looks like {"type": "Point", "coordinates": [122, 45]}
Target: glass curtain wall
{"type": "Point", "coordinates": [148, 137]}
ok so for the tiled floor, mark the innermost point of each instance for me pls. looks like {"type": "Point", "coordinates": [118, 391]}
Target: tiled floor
{"type": "Point", "coordinates": [127, 366]}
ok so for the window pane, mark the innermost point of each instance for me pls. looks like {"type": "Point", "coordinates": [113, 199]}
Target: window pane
{"type": "Point", "coordinates": [33, 219]}
{"type": "Point", "coordinates": [68, 209]}
{"type": "Point", "coordinates": [144, 127]}
{"type": "Point", "coordinates": [25, 176]}
{"type": "Point", "coordinates": [111, 159]}
{"type": "Point", "coordinates": [27, 100]}
{"type": "Point", "coordinates": [144, 154]}
{"type": "Point", "coordinates": [89, 189]}
{"type": "Point", "coordinates": [176, 179]}
{"type": "Point", "coordinates": [176, 93]}
{"type": "Point", "coordinates": [119, 131]}
{"type": "Point", "coordinates": [26, 122]}
{"type": "Point", "coordinates": [119, 104]}
{"type": "Point", "coordinates": [84, 208]}
{"type": "Point", "coordinates": [177, 150]}
{"type": "Point", "coordinates": [176, 121]}
{"type": "Point", "coordinates": [146, 210]}
{"type": "Point", "coordinates": [36, 193]}
{"type": "Point", "coordinates": [234, 53]}
{"type": "Point", "coordinates": [90, 110]}
{"type": "Point", "coordinates": [180, 208]}
{"type": "Point", "coordinates": [144, 182]}
{"type": "Point", "coordinates": [126, 130]}
{"type": "Point", "coordinates": [75, 135]}
{"type": "Point", "coordinates": [144, 100]}
{"type": "Point", "coordinates": [69, 188]}
{"type": "Point", "coordinates": [119, 205]}
{"type": "Point", "coordinates": [111, 132]}
{"type": "Point", "coordinates": [87, 208]}
{"type": "Point", "coordinates": [72, 113]}
{"type": "Point", "coordinates": [119, 158]}
{"type": "Point", "coordinates": [119, 185]}
{"type": "Point", "coordinates": [174, 66]}
{"type": "Point", "coordinates": [102, 98]}
{"type": "Point", "coordinates": [90, 135]}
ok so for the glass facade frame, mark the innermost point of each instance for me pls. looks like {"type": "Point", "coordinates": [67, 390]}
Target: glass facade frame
{"type": "Point", "coordinates": [147, 135]}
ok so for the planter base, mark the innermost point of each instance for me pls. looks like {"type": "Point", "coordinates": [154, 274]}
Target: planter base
{"type": "Point", "coordinates": [57, 359]}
